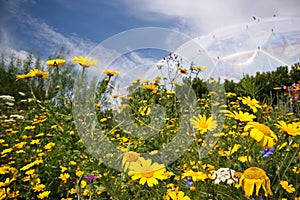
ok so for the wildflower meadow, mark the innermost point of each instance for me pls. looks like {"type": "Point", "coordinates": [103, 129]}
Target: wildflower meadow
{"type": "Point", "coordinates": [237, 140]}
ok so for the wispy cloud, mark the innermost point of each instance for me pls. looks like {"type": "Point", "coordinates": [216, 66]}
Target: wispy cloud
{"type": "Point", "coordinates": [203, 17]}
{"type": "Point", "coordinates": [42, 36]}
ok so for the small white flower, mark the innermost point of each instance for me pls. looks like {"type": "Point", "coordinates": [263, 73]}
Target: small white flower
{"type": "Point", "coordinates": [7, 97]}
{"type": "Point", "coordinates": [17, 116]}
{"type": "Point", "coordinates": [224, 175]}
{"type": "Point", "coordinates": [9, 103]}
{"type": "Point", "coordinates": [21, 93]}
{"type": "Point", "coordinates": [9, 120]}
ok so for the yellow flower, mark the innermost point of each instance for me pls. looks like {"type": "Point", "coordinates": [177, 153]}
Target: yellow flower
{"type": "Point", "coordinates": [257, 177]}
{"type": "Point", "coordinates": [78, 172]}
{"type": "Point", "coordinates": [37, 141]}
{"type": "Point", "coordinates": [39, 187]}
{"type": "Point", "coordinates": [5, 151]}
{"type": "Point", "coordinates": [196, 176]}
{"type": "Point", "coordinates": [289, 188]}
{"type": "Point", "coordinates": [182, 70]}
{"type": "Point", "coordinates": [178, 195]}
{"type": "Point", "coordinates": [244, 159]}
{"type": "Point", "coordinates": [72, 163]}
{"type": "Point", "coordinates": [291, 129]}
{"type": "Point", "coordinates": [43, 195]}
{"type": "Point", "coordinates": [202, 124]}
{"type": "Point", "coordinates": [240, 116]}
{"type": "Point", "coordinates": [145, 110]}
{"type": "Point", "coordinates": [262, 134]}
{"type": "Point", "coordinates": [56, 62]}
{"type": "Point", "coordinates": [63, 168]}
{"type": "Point", "coordinates": [72, 191]}
{"type": "Point", "coordinates": [33, 73]}
{"type": "Point", "coordinates": [200, 68]}
{"type": "Point", "coordinates": [23, 76]}
{"type": "Point", "coordinates": [110, 73]}
{"type": "Point", "coordinates": [147, 172]}
{"type": "Point", "coordinates": [230, 94]}
{"type": "Point", "coordinates": [83, 184]}
{"type": "Point", "coordinates": [129, 158]}
{"type": "Point", "coordinates": [49, 146]}
{"type": "Point", "coordinates": [168, 175]}
{"type": "Point", "coordinates": [39, 73]}
{"type": "Point", "coordinates": [64, 177]}
{"type": "Point", "coordinates": [4, 169]}
{"type": "Point", "coordinates": [150, 87]}
{"type": "Point", "coordinates": [11, 195]}
{"type": "Point", "coordinates": [7, 182]}
{"type": "Point", "coordinates": [86, 192]}
{"type": "Point", "coordinates": [252, 103]}
{"type": "Point", "coordinates": [30, 172]}
{"type": "Point", "coordinates": [296, 170]}
{"type": "Point", "coordinates": [84, 62]}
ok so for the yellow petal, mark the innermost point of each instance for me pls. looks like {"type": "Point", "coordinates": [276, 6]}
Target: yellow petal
{"type": "Point", "coordinates": [248, 187]}
{"type": "Point", "coordinates": [257, 135]}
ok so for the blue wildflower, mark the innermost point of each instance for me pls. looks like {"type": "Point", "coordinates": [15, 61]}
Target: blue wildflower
{"type": "Point", "coordinates": [267, 152]}
{"type": "Point", "coordinates": [189, 182]}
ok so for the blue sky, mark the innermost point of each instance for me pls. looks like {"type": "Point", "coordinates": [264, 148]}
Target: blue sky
{"type": "Point", "coordinates": [79, 25]}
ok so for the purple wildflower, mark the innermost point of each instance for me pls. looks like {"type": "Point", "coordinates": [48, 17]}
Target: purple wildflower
{"type": "Point", "coordinates": [1, 135]}
{"type": "Point", "coordinates": [91, 178]}
{"type": "Point", "coordinates": [267, 152]}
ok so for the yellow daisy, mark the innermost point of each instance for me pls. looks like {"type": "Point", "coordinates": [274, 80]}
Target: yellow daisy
{"type": "Point", "coordinates": [262, 134]}
{"type": "Point", "coordinates": [129, 158]}
{"type": "Point", "coordinates": [252, 103]}
{"type": "Point", "coordinates": [145, 110]}
{"type": "Point", "coordinates": [33, 73]}
{"type": "Point", "coordinates": [200, 68]}
{"type": "Point", "coordinates": [257, 177]}
{"type": "Point", "coordinates": [147, 171]}
{"type": "Point", "coordinates": [196, 176]}
{"type": "Point", "coordinates": [289, 188]}
{"type": "Point", "coordinates": [240, 116]}
{"type": "Point", "coordinates": [150, 87]}
{"type": "Point", "coordinates": [292, 129]}
{"type": "Point", "coordinates": [39, 73]}
{"type": "Point", "coordinates": [110, 73]}
{"type": "Point", "coordinates": [178, 195]}
{"type": "Point", "coordinates": [43, 195]}
{"type": "Point", "coordinates": [182, 70]}
{"type": "Point", "coordinates": [83, 61]}
{"type": "Point", "coordinates": [202, 124]}
{"type": "Point", "coordinates": [55, 62]}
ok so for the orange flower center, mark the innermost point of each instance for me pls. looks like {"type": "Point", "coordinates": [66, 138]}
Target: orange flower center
{"type": "Point", "coordinates": [148, 173]}
{"type": "Point", "coordinates": [255, 173]}
{"type": "Point", "coordinates": [203, 124]}
{"type": "Point", "coordinates": [251, 103]}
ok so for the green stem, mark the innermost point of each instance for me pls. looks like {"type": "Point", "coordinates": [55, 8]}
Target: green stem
{"type": "Point", "coordinates": [286, 167]}
{"type": "Point", "coordinates": [34, 97]}
{"type": "Point", "coordinates": [59, 81]}
{"type": "Point", "coordinates": [139, 190]}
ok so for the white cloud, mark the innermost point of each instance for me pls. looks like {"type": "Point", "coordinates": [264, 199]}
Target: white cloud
{"type": "Point", "coordinates": [43, 37]}
{"type": "Point", "coordinates": [205, 16]}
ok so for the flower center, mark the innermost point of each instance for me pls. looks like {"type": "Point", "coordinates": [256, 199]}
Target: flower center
{"type": "Point", "coordinates": [251, 103]}
{"type": "Point", "coordinates": [203, 125]}
{"type": "Point", "coordinates": [148, 173]}
{"type": "Point", "coordinates": [132, 157]}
